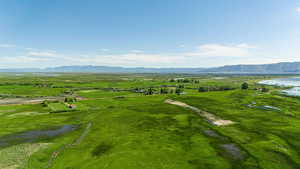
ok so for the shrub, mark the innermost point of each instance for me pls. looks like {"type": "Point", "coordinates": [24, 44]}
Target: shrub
{"type": "Point", "coordinates": [101, 149]}
{"type": "Point", "coordinates": [244, 86]}
{"type": "Point", "coordinates": [70, 99]}
{"type": "Point", "coordinates": [264, 89]}
{"type": "Point", "coordinates": [202, 89]}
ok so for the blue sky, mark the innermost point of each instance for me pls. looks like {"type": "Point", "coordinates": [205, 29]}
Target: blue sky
{"type": "Point", "coordinates": [156, 33]}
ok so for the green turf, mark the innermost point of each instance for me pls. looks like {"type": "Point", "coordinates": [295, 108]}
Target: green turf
{"type": "Point", "coordinates": [117, 128]}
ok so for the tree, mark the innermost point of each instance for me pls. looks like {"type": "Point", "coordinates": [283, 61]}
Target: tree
{"type": "Point", "coordinates": [244, 86]}
{"type": "Point", "coordinates": [163, 91]}
{"type": "Point", "coordinates": [150, 91]}
{"type": "Point", "coordinates": [45, 103]}
{"type": "Point", "coordinates": [171, 91]}
{"type": "Point", "coordinates": [181, 86]}
{"type": "Point", "coordinates": [178, 91]}
{"type": "Point", "coordinates": [264, 89]}
{"type": "Point", "coordinates": [202, 89]}
{"type": "Point", "coordinates": [70, 99]}
{"type": "Point", "coordinates": [185, 81]}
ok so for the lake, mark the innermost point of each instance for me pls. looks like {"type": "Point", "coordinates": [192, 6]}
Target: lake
{"type": "Point", "coordinates": [286, 82]}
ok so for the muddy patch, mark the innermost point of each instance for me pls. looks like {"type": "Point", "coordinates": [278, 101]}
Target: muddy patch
{"type": "Point", "coordinates": [233, 151]}
{"type": "Point", "coordinates": [211, 133]}
{"type": "Point", "coordinates": [263, 107]}
{"type": "Point", "coordinates": [35, 135]}
{"type": "Point", "coordinates": [225, 146]}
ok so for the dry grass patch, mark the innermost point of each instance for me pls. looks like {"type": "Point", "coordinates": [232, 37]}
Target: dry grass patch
{"type": "Point", "coordinates": [17, 156]}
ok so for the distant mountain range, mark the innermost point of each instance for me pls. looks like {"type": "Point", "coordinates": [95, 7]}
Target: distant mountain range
{"type": "Point", "coordinates": [277, 68]}
{"type": "Point", "coordinates": [282, 67]}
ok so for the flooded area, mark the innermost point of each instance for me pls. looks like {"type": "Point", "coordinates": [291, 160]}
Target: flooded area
{"type": "Point", "coordinates": [286, 82]}
{"type": "Point", "coordinates": [229, 149]}
{"type": "Point", "coordinates": [34, 135]}
{"type": "Point", "coordinates": [263, 107]}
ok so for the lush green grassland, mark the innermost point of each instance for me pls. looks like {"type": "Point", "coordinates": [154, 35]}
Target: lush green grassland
{"type": "Point", "coordinates": [118, 128]}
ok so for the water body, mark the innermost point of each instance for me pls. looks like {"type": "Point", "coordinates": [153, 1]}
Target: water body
{"type": "Point", "coordinates": [34, 135]}
{"type": "Point", "coordinates": [286, 82]}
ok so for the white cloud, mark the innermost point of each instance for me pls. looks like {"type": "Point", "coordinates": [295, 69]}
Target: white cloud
{"type": "Point", "coordinates": [136, 51]}
{"type": "Point", "coordinates": [182, 46]}
{"type": "Point", "coordinates": [43, 54]}
{"type": "Point", "coordinates": [298, 9]}
{"type": "Point", "coordinates": [205, 55]}
{"type": "Point", "coordinates": [215, 50]}
{"type": "Point", "coordinates": [104, 50]}
{"type": "Point", "coordinates": [30, 49]}
{"type": "Point", "coordinates": [21, 60]}
{"type": "Point", "coordinates": [7, 46]}
{"type": "Point", "coordinates": [130, 59]}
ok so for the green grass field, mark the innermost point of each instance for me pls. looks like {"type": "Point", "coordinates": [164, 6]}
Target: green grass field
{"type": "Point", "coordinates": [118, 126]}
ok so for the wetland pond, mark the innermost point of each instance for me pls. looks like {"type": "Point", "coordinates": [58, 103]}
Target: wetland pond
{"type": "Point", "coordinates": [34, 135]}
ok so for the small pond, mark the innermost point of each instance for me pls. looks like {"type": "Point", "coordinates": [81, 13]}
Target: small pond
{"type": "Point", "coordinates": [34, 135]}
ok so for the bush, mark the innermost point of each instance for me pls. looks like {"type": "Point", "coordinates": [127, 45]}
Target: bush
{"type": "Point", "coordinates": [215, 88]}
{"type": "Point", "coordinates": [180, 86]}
{"type": "Point", "coordinates": [101, 149]}
{"type": "Point", "coordinates": [264, 89]}
{"type": "Point", "coordinates": [150, 91]}
{"type": "Point", "coordinates": [45, 103]}
{"type": "Point", "coordinates": [202, 89]}
{"type": "Point", "coordinates": [164, 91]}
{"type": "Point", "coordinates": [70, 99]}
{"type": "Point", "coordinates": [244, 86]}
{"type": "Point", "coordinates": [178, 91]}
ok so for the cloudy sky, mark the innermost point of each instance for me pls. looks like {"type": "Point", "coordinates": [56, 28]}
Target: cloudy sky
{"type": "Point", "coordinates": [156, 33]}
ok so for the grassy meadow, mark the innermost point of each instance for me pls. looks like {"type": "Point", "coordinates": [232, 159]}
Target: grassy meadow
{"type": "Point", "coordinates": [121, 121]}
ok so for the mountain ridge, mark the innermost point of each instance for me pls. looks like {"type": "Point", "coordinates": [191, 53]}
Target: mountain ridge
{"type": "Point", "coordinates": [281, 67]}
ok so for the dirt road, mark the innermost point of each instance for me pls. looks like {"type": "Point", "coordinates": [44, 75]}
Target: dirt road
{"type": "Point", "coordinates": [211, 118]}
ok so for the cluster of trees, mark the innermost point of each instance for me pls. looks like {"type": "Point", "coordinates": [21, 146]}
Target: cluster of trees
{"type": "Point", "coordinates": [179, 89]}
{"type": "Point", "coordinates": [27, 84]}
{"type": "Point", "coordinates": [151, 91]}
{"type": "Point", "coordinates": [215, 88]}
{"type": "Point", "coordinates": [184, 80]}
{"type": "Point", "coordinates": [43, 85]}
{"type": "Point", "coordinates": [262, 89]}
{"type": "Point", "coordinates": [245, 86]}
{"type": "Point", "coordinates": [45, 103]}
